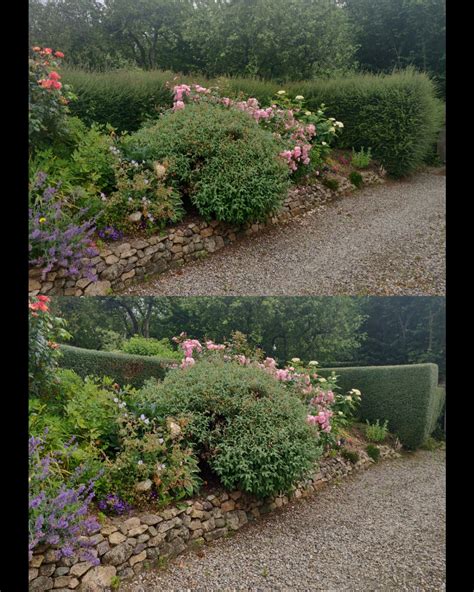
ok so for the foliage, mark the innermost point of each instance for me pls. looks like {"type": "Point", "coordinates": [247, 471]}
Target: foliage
{"type": "Point", "coordinates": [403, 330]}
{"type": "Point", "coordinates": [373, 452]}
{"type": "Point", "coordinates": [123, 368]}
{"type": "Point", "coordinates": [43, 354]}
{"type": "Point", "coordinates": [375, 432]}
{"type": "Point", "coordinates": [350, 455]}
{"type": "Point", "coordinates": [361, 159]}
{"type": "Point", "coordinates": [140, 197]}
{"type": "Point", "coordinates": [152, 451]}
{"type": "Point", "coordinates": [143, 346]}
{"type": "Point", "coordinates": [305, 135]}
{"type": "Point", "coordinates": [220, 158]}
{"type": "Point", "coordinates": [56, 241]}
{"type": "Point", "coordinates": [328, 329]}
{"type": "Point", "coordinates": [57, 513]}
{"type": "Point", "coordinates": [417, 35]}
{"type": "Point", "coordinates": [356, 179]}
{"type": "Point", "coordinates": [48, 97]}
{"type": "Point", "coordinates": [254, 38]}
{"type": "Point", "coordinates": [404, 395]}
{"type": "Point", "coordinates": [228, 406]}
{"type": "Point", "coordinates": [398, 115]}
{"type": "Point", "coordinates": [330, 183]}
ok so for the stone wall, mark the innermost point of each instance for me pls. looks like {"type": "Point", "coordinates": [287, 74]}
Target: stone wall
{"type": "Point", "coordinates": [127, 545]}
{"type": "Point", "coordinates": [128, 261]}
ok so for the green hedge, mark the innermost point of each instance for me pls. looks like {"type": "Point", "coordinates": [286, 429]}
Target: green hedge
{"type": "Point", "coordinates": [407, 396]}
{"type": "Point", "coordinates": [124, 368]}
{"type": "Point", "coordinates": [397, 115]}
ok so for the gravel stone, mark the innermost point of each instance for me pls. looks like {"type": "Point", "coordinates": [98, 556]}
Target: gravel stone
{"type": "Point", "coordinates": [382, 240]}
{"type": "Point", "coordinates": [380, 529]}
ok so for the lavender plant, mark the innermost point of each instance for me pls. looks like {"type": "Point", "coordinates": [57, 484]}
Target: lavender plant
{"type": "Point", "coordinates": [58, 513]}
{"type": "Point", "coordinates": [55, 240]}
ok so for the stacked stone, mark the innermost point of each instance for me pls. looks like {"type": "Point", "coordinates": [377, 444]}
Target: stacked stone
{"type": "Point", "coordinates": [128, 261]}
{"type": "Point", "coordinates": [127, 546]}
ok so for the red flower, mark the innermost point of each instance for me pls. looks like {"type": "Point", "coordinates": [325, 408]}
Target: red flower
{"type": "Point", "coordinates": [45, 83]}
{"type": "Point", "coordinates": [36, 48]}
{"type": "Point", "coordinates": [38, 306]}
{"type": "Point", "coordinates": [47, 50]}
{"type": "Point", "coordinates": [54, 75]}
{"type": "Point", "coordinates": [55, 84]}
{"type": "Point", "coordinates": [59, 54]}
{"type": "Point", "coordinates": [42, 298]}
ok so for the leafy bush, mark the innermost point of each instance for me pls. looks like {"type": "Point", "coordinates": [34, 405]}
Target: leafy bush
{"type": "Point", "coordinates": [153, 463]}
{"type": "Point", "coordinates": [407, 396]}
{"type": "Point", "coordinates": [361, 159]}
{"type": "Point", "coordinates": [356, 179]}
{"type": "Point", "coordinates": [373, 452]}
{"type": "Point", "coordinates": [125, 99]}
{"type": "Point", "coordinates": [140, 198]}
{"type": "Point", "coordinates": [332, 184]}
{"type": "Point", "coordinates": [147, 346]}
{"type": "Point", "coordinates": [43, 353]}
{"type": "Point", "coordinates": [48, 98]}
{"type": "Point", "coordinates": [397, 114]}
{"type": "Point", "coordinates": [123, 368]}
{"type": "Point", "coordinates": [376, 432]}
{"type": "Point", "coordinates": [350, 455]}
{"type": "Point", "coordinates": [220, 158]}
{"type": "Point", "coordinates": [246, 426]}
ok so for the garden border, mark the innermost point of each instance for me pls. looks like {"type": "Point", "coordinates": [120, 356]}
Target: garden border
{"type": "Point", "coordinates": [124, 546]}
{"type": "Point", "coordinates": [130, 261]}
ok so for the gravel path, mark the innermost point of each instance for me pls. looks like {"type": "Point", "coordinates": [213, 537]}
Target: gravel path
{"type": "Point", "coordinates": [383, 240]}
{"type": "Point", "coordinates": [378, 530]}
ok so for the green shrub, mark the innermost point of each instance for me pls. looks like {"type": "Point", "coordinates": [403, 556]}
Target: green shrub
{"type": "Point", "coordinates": [123, 368]}
{"type": "Point", "coordinates": [125, 99]}
{"type": "Point", "coordinates": [356, 179]}
{"type": "Point", "coordinates": [220, 158]}
{"type": "Point", "coordinates": [376, 432]}
{"type": "Point", "coordinates": [361, 159]}
{"type": "Point", "coordinates": [398, 115]}
{"type": "Point", "coordinates": [248, 428]}
{"type": "Point", "coordinates": [332, 184]}
{"type": "Point", "coordinates": [373, 451]}
{"type": "Point", "coordinates": [350, 455]}
{"type": "Point", "coordinates": [404, 395]}
{"type": "Point", "coordinates": [147, 346]}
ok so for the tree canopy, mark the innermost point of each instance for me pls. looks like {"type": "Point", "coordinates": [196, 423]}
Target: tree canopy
{"type": "Point", "coordinates": [332, 330]}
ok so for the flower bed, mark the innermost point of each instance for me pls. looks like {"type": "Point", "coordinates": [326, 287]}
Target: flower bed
{"type": "Point", "coordinates": [125, 261]}
{"type": "Point", "coordinates": [126, 545]}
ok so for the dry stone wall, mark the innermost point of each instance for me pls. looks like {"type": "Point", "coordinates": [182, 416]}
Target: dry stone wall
{"type": "Point", "coordinates": [128, 261]}
{"type": "Point", "coordinates": [126, 546]}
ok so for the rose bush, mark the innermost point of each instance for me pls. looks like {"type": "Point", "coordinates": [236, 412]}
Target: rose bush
{"type": "Point", "coordinates": [48, 97]}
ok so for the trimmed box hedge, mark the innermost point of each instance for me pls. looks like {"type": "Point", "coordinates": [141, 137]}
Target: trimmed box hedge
{"type": "Point", "coordinates": [123, 368]}
{"type": "Point", "coordinates": [397, 115]}
{"type": "Point", "coordinates": [407, 396]}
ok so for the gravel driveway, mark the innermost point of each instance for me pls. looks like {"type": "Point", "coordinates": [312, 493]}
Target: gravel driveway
{"type": "Point", "coordinates": [379, 530]}
{"type": "Point", "coordinates": [383, 240]}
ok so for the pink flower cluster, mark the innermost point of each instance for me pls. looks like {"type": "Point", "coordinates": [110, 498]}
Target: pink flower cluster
{"type": "Point", "coordinates": [214, 346]}
{"type": "Point", "coordinates": [300, 153]}
{"type": "Point", "coordinates": [283, 120]}
{"type": "Point", "coordinates": [322, 419]}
